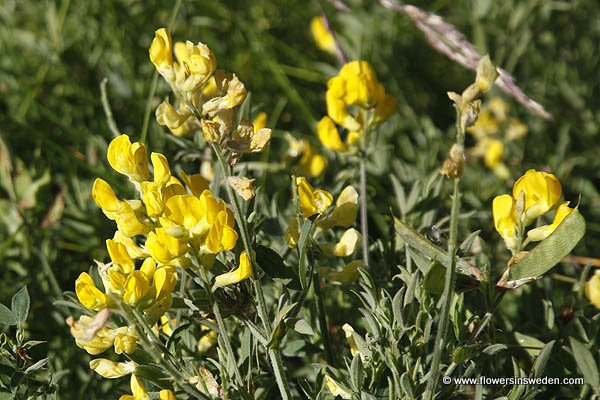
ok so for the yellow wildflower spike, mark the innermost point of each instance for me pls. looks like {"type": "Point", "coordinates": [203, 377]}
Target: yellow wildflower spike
{"type": "Point", "coordinates": [119, 255]}
{"type": "Point", "coordinates": [243, 271]}
{"type": "Point", "coordinates": [592, 289]}
{"type": "Point", "coordinates": [88, 294]}
{"type": "Point", "coordinates": [329, 135]}
{"type": "Point", "coordinates": [505, 219]}
{"type": "Point", "coordinates": [541, 190]}
{"type": "Point", "coordinates": [323, 38]}
{"type": "Point", "coordinates": [542, 232]}
{"type": "Point", "coordinates": [163, 247]}
{"type": "Point", "coordinates": [110, 369]}
{"type": "Point", "coordinates": [128, 159]}
{"type": "Point", "coordinates": [312, 201]}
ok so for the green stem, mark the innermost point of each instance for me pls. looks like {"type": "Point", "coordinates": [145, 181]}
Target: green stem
{"type": "Point", "coordinates": [448, 294]}
{"type": "Point", "coordinates": [323, 326]}
{"type": "Point", "coordinates": [274, 356]}
{"type": "Point", "coordinates": [364, 224]}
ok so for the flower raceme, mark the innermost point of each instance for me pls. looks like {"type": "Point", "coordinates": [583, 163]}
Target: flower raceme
{"type": "Point", "coordinates": [534, 194]}
{"type": "Point", "coordinates": [357, 102]}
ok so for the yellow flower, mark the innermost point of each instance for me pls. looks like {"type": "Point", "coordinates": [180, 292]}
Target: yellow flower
{"type": "Point", "coordinates": [196, 65]}
{"type": "Point", "coordinates": [222, 236]}
{"type": "Point", "coordinates": [166, 394]}
{"type": "Point", "coordinates": [347, 244]}
{"type": "Point", "coordinates": [128, 159]}
{"type": "Point", "coordinates": [163, 247]}
{"type": "Point", "coordinates": [136, 287]}
{"type": "Point", "coordinates": [88, 294]}
{"type": "Point", "coordinates": [345, 211]}
{"type": "Point", "coordinates": [110, 369]}
{"type": "Point", "coordinates": [161, 53]}
{"type": "Point", "coordinates": [128, 220]}
{"type": "Point", "coordinates": [119, 255]}
{"type": "Point", "coordinates": [230, 92]}
{"type": "Point", "coordinates": [541, 192]}
{"type": "Point", "coordinates": [493, 154]}
{"type": "Point", "coordinates": [125, 340]}
{"type": "Point", "coordinates": [105, 198]}
{"type": "Point", "coordinates": [357, 85]}
{"type": "Point", "coordinates": [133, 250]}
{"type": "Point", "coordinates": [138, 391]}
{"type": "Point", "coordinates": [486, 74]}
{"type": "Point", "coordinates": [207, 341]}
{"type": "Point", "coordinates": [312, 201]}
{"type": "Point", "coordinates": [542, 232]}
{"type": "Point", "coordinates": [243, 271]}
{"type": "Point", "coordinates": [348, 274]}
{"type": "Point", "coordinates": [312, 163]}
{"type": "Point", "coordinates": [592, 289]}
{"type": "Point", "coordinates": [292, 233]}
{"type": "Point", "coordinates": [260, 121]}
{"type": "Point", "coordinates": [348, 332]}
{"type": "Point", "coordinates": [336, 390]}
{"type": "Point", "coordinates": [164, 280]}
{"type": "Point", "coordinates": [330, 136]}
{"type": "Point", "coordinates": [195, 182]}
{"type": "Point", "coordinates": [242, 186]}
{"type": "Point", "coordinates": [505, 219]}
{"type": "Point", "coordinates": [90, 333]}
{"type": "Point", "coordinates": [322, 36]}
{"type": "Point", "coordinates": [179, 122]}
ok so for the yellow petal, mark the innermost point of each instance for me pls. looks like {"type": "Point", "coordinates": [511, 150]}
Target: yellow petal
{"type": "Point", "coordinates": [104, 196]}
{"type": "Point", "coordinates": [542, 232]}
{"type": "Point", "coordinates": [260, 121]}
{"type": "Point", "coordinates": [346, 209]}
{"type": "Point", "coordinates": [119, 255]}
{"type": "Point", "coordinates": [136, 287]}
{"type": "Point", "coordinates": [348, 243]}
{"type": "Point", "coordinates": [166, 394]}
{"type": "Point", "coordinates": [160, 49]}
{"type": "Point", "coordinates": [542, 191]}
{"type": "Point", "coordinates": [88, 294]}
{"type": "Point", "coordinates": [243, 271]}
{"type": "Point", "coordinates": [592, 290]}
{"type": "Point", "coordinates": [493, 154]}
{"type": "Point", "coordinates": [505, 219]}
{"type": "Point", "coordinates": [196, 183]}
{"type": "Point", "coordinates": [242, 186]}
{"type": "Point", "coordinates": [329, 135]}
{"type": "Point", "coordinates": [321, 35]}
{"type": "Point", "coordinates": [312, 201]}
{"type": "Point", "coordinates": [110, 369]}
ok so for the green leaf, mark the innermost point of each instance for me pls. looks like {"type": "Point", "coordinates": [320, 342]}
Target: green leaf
{"type": "Point", "coordinates": [6, 316]}
{"type": "Point", "coordinates": [303, 264]}
{"type": "Point", "coordinates": [585, 362]}
{"type": "Point", "coordinates": [434, 278]}
{"type": "Point", "coordinates": [275, 268]}
{"type": "Point", "coordinates": [542, 359]}
{"type": "Point", "coordinates": [357, 373]}
{"type": "Point", "coordinates": [494, 348]}
{"type": "Point", "coordinates": [20, 305]}
{"type": "Point", "coordinates": [532, 345]}
{"type": "Point", "coordinates": [303, 327]}
{"type": "Point", "coordinates": [551, 250]}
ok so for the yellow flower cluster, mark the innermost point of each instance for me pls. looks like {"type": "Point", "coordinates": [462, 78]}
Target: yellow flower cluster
{"type": "Point", "coordinates": [492, 130]}
{"type": "Point", "coordinates": [534, 194]}
{"type": "Point", "coordinates": [175, 223]}
{"type": "Point", "coordinates": [357, 102]}
{"type": "Point", "coordinates": [207, 98]}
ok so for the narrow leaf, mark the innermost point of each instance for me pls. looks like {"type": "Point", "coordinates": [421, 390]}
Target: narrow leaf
{"type": "Point", "coordinates": [20, 305]}
{"type": "Point", "coordinates": [586, 363]}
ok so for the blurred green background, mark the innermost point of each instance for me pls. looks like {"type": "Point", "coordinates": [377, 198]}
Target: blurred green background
{"type": "Point", "coordinates": [54, 133]}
